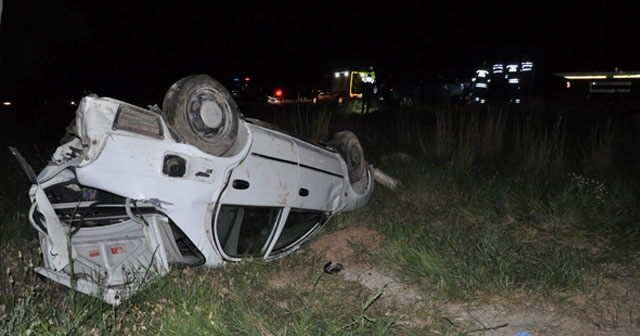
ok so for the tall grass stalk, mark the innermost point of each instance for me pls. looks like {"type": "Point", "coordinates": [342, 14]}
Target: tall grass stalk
{"type": "Point", "coordinates": [599, 153]}
{"type": "Point", "coordinates": [541, 149]}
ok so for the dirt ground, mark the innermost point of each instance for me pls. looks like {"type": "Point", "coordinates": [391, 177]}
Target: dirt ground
{"type": "Point", "coordinates": [612, 307]}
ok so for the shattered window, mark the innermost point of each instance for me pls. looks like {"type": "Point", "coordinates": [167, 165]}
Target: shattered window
{"type": "Point", "coordinates": [246, 231]}
{"type": "Point", "coordinates": [298, 224]}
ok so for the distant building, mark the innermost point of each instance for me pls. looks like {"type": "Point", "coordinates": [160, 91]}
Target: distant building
{"type": "Point", "coordinates": [607, 85]}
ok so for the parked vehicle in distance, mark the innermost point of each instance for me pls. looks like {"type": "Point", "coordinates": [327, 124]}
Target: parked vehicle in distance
{"type": "Point", "coordinates": [342, 85]}
{"type": "Point", "coordinates": [325, 95]}
{"type": "Point", "coordinates": [132, 191]}
{"type": "Point", "coordinates": [276, 97]}
{"type": "Point", "coordinates": [410, 89]}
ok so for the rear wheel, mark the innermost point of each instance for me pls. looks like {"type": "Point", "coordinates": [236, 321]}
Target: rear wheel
{"type": "Point", "coordinates": [202, 111]}
{"type": "Point", "coordinates": [351, 151]}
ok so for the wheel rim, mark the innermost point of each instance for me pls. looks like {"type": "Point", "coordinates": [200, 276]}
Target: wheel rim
{"type": "Point", "coordinates": [211, 114]}
{"type": "Point", "coordinates": [206, 116]}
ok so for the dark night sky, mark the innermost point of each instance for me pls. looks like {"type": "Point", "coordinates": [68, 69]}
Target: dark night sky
{"type": "Point", "coordinates": [138, 48]}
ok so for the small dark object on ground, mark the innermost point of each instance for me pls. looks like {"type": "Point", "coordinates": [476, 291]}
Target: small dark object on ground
{"type": "Point", "coordinates": [331, 268]}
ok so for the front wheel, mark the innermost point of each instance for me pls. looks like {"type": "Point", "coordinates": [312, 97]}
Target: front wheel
{"type": "Point", "coordinates": [202, 111]}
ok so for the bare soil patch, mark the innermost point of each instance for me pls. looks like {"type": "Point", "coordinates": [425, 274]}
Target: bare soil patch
{"type": "Point", "coordinates": [611, 306]}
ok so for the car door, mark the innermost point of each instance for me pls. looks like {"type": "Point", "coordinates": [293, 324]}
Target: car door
{"type": "Point", "coordinates": [273, 202]}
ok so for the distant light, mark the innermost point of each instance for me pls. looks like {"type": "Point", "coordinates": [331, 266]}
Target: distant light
{"type": "Point", "coordinates": [6, 103]}
{"type": "Point", "coordinates": [73, 103]}
{"type": "Point", "coordinates": [585, 77]}
{"type": "Point", "coordinates": [568, 84]}
{"type": "Point", "coordinates": [602, 75]}
{"type": "Point", "coordinates": [247, 79]}
{"type": "Point", "coordinates": [368, 79]}
{"type": "Point", "coordinates": [634, 75]}
{"type": "Point", "coordinates": [278, 93]}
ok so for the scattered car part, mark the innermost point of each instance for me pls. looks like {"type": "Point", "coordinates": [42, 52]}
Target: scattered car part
{"type": "Point", "coordinates": [331, 268]}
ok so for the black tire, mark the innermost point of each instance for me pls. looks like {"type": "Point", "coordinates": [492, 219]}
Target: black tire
{"type": "Point", "coordinates": [202, 111]}
{"type": "Point", "coordinates": [348, 145]}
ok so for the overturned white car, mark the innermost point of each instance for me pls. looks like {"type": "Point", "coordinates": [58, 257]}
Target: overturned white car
{"type": "Point", "coordinates": [132, 191]}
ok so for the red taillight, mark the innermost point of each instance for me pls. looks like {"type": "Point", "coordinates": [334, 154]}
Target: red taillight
{"type": "Point", "coordinates": [278, 93]}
